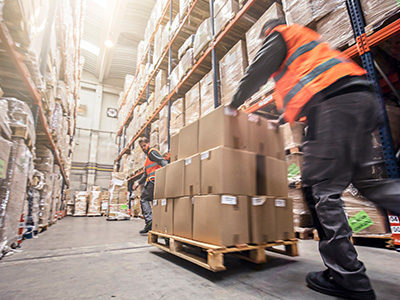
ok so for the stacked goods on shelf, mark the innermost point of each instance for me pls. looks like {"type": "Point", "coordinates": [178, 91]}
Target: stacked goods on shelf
{"type": "Point", "coordinates": [81, 199]}
{"type": "Point", "coordinates": [105, 198]}
{"type": "Point", "coordinates": [127, 164]}
{"type": "Point", "coordinates": [177, 116]}
{"type": "Point", "coordinates": [376, 11]}
{"type": "Point", "coordinates": [161, 89]}
{"type": "Point", "coordinates": [70, 203]}
{"type": "Point", "coordinates": [136, 210]}
{"type": "Point", "coordinates": [207, 94]}
{"type": "Point", "coordinates": [232, 68]}
{"type": "Point", "coordinates": [95, 199]}
{"type": "Point", "coordinates": [224, 11]}
{"type": "Point", "coordinates": [163, 130]}
{"type": "Point", "coordinates": [5, 129]}
{"type": "Point", "coordinates": [14, 179]}
{"type": "Point", "coordinates": [56, 195]}
{"type": "Point", "coordinates": [202, 38]}
{"type": "Point", "coordinates": [118, 203]}
{"type": "Point", "coordinates": [207, 195]}
{"type": "Point", "coordinates": [154, 134]}
{"type": "Point", "coordinates": [192, 104]}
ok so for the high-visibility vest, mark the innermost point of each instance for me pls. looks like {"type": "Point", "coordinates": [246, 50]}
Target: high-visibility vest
{"type": "Point", "coordinates": [150, 166]}
{"type": "Point", "coordinates": [310, 66]}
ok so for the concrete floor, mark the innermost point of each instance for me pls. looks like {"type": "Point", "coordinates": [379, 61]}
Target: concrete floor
{"type": "Point", "coordinates": [90, 258]}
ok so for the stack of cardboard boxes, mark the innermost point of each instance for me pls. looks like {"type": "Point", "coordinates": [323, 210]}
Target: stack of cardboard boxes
{"type": "Point", "coordinates": [118, 202]}
{"type": "Point", "coordinates": [226, 184]}
{"type": "Point", "coordinates": [81, 199]}
{"type": "Point", "coordinates": [95, 199]}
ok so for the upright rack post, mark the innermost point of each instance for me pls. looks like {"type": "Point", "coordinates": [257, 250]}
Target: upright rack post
{"type": "Point", "coordinates": [214, 57]}
{"type": "Point", "coordinates": [358, 24]}
{"type": "Point", "coordinates": [169, 79]}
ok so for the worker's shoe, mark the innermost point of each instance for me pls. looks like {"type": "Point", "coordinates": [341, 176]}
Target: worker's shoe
{"type": "Point", "coordinates": [323, 283]}
{"type": "Point", "coordinates": [146, 228]}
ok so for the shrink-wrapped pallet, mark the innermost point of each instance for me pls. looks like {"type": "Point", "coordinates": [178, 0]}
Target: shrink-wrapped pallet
{"type": "Point", "coordinates": [224, 11]}
{"type": "Point", "coordinates": [192, 104]}
{"type": "Point", "coordinates": [174, 78]}
{"type": "Point", "coordinates": [44, 161]}
{"type": "Point", "coordinates": [160, 81]}
{"type": "Point", "coordinates": [376, 11]}
{"type": "Point", "coordinates": [202, 38]}
{"type": "Point", "coordinates": [183, 7]}
{"type": "Point", "coordinates": [140, 52]}
{"type": "Point", "coordinates": [4, 118]}
{"type": "Point", "coordinates": [207, 94]}
{"type": "Point", "coordinates": [253, 39]}
{"type": "Point", "coordinates": [81, 200]}
{"type": "Point", "coordinates": [158, 44]}
{"type": "Point", "coordinates": [174, 27]}
{"type": "Point", "coordinates": [232, 68]}
{"type": "Point", "coordinates": [154, 136]}
{"type": "Point", "coordinates": [21, 118]}
{"type": "Point", "coordinates": [117, 206]}
{"type": "Point", "coordinates": [301, 214]}
{"type": "Point", "coordinates": [297, 12]}
{"type": "Point", "coordinates": [95, 198]}
{"type": "Point", "coordinates": [177, 116]}
{"type": "Point", "coordinates": [185, 64]}
{"type": "Point", "coordinates": [13, 193]}
{"type": "Point", "coordinates": [188, 44]}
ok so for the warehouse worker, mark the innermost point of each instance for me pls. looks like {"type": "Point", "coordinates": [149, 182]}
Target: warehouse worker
{"type": "Point", "coordinates": [332, 92]}
{"type": "Point", "coordinates": [153, 162]}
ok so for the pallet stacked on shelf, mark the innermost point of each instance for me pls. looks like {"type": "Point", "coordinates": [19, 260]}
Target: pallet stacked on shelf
{"type": "Point", "coordinates": [40, 71]}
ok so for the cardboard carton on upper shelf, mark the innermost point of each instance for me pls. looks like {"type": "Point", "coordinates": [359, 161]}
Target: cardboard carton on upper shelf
{"type": "Point", "coordinates": [207, 94]}
{"type": "Point", "coordinates": [174, 144]}
{"type": "Point", "coordinates": [202, 38]}
{"type": "Point", "coordinates": [376, 11]}
{"type": "Point", "coordinates": [262, 218]}
{"type": "Point", "coordinates": [221, 219]}
{"type": "Point", "coordinates": [232, 68]}
{"type": "Point", "coordinates": [228, 171]}
{"type": "Point", "coordinates": [186, 46]}
{"type": "Point", "coordinates": [192, 175]}
{"type": "Point", "coordinates": [223, 127]}
{"type": "Point", "coordinates": [264, 139]}
{"type": "Point", "coordinates": [188, 140]}
{"type": "Point", "coordinates": [174, 179]}
{"type": "Point", "coordinates": [271, 177]}
{"type": "Point", "coordinates": [167, 216]}
{"type": "Point", "coordinates": [224, 11]}
{"type": "Point", "coordinates": [159, 183]}
{"type": "Point", "coordinates": [183, 217]}
{"type": "Point", "coordinates": [192, 104]}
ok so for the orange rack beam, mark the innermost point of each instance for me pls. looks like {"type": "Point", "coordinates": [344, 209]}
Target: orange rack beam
{"type": "Point", "coordinates": [23, 72]}
{"type": "Point", "coordinates": [195, 66]}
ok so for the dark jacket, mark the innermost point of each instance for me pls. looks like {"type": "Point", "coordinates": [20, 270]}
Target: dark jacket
{"type": "Point", "coordinates": [156, 157]}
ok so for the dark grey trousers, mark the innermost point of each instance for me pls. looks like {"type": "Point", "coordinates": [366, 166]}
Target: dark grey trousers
{"type": "Point", "coordinates": [337, 152]}
{"type": "Point", "coordinates": [145, 201]}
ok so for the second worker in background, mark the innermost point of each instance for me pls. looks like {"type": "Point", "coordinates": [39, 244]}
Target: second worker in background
{"type": "Point", "coordinates": [154, 161]}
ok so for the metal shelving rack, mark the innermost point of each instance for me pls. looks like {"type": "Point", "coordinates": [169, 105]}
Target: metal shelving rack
{"type": "Point", "coordinates": [201, 61]}
{"type": "Point", "coordinates": [25, 76]}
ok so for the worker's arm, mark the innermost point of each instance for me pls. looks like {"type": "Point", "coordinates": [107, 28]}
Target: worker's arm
{"type": "Point", "coordinates": [267, 61]}
{"type": "Point", "coordinates": [142, 179]}
{"type": "Point", "coordinates": [156, 157]}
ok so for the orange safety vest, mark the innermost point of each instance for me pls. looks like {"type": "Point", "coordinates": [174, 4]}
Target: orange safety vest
{"type": "Point", "coordinates": [310, 66]}
{"type": "Point", "coordinates": [150, 166]}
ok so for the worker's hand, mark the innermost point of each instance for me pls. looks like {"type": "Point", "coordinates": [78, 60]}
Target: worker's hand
{"type": "Point", "coordinates": [135, 185]}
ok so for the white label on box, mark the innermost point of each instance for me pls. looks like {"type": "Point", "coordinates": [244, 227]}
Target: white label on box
{"type": "Point", "coordinates": [163, 202]}
{"type": "Point", "coordinates": [280, 202]}
{"type": "Point", "coordinates": [393, 219]}
{"type": "Point", "coordinates": [395, 229]}
{"type": "Point", "coordinates": [104, 205]}
{"type": "Point", "coordinates": [118, 182]}
{"type": "Point", "coordinates": [257, 201]}
{"type": "Point", "coordinates": [229, 111]}
{"type": "Point", "coordinates": [155, 202]}
{"type": "Point", "coordinates": [188, 161]}
{"type": "Point", "coordinates": [230, 200]}
{"type": "Point", "coordinates": [205, 155]}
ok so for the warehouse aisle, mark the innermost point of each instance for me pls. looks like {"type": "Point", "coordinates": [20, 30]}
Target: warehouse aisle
{"type": "Point", "coordinates": [90, 258]}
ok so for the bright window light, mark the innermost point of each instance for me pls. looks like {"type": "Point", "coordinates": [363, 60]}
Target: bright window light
{"type": "Point", "coordinates": [90, 47]}
{"type": "Point", "coordinates": [102, 3]}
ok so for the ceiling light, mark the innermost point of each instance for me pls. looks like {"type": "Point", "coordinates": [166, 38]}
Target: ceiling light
{"type": "Point", "coordinates": [109, 43]}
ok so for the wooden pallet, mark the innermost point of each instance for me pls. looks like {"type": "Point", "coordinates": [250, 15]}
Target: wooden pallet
{"type": "Point", "coordinates": [293, 150]}
{"type": "Point", "coordinates": [214, 260]}
{"type": "Point", "coordinates": [304, 233]}
{"type": "Point", "coordinates": [374, 240]}
{"type": "Point", "coordinates": [94, 215]}
{"type": "Point", "coordinates": [42, 228]}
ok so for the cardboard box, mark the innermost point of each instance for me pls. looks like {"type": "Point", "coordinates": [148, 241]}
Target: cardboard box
{"type": "Point", "coordinates": [167, 216]}
{"type": "Point", "coordinates": [284, 218]}
{"type": "Point", "coordinates": [174, 146]}
{"type": "Point", "coordinates": [225, 10]}
{"type": "Point", "coordinates": [192, 104]}
{"type": "Point", "coordinates": [207, 94]}
{"type": "Point", "coordinates": [175, 179]}
{"type": "Point", "coordinates": [188, 140]}
{"type": "Point", "coordinates": [223, 127]}
{"type": "Point", "coordinates": [271, 177]}
{"type": "Point", "coordinates": [183, 217]}
{"type": "Point", "coordinates": [192, 175]}
{"type": "Point", "coordinates": [262, 218]}
{"type": "Point", "coordinates": [5, 149]}
{"type": "Point", "coordinates": [292, 134]}
{"type": "Point", "coordinates": [156, 207]}
{"type": "Point", "coordinates": [228, 171]}
{"type": "Point", "coordinates": [159, 183]}
{"type": "Point", "coordinates": [264, 139]}
{"type": "Point", "coordinates": [221, 220]}
{"type": "Point", "coordinates": [232, 68]}
{"type": "Point", "coordinates": [202, 37]}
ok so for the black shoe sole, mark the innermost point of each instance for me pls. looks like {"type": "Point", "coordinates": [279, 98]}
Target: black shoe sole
{"type": "Point", "coordinates": [336, 293]}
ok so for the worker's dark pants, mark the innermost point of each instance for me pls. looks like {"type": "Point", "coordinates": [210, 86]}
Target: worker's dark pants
{"type": "Point", "coordinates": [145, 199]}
{"type": "Point", "coordinates": [337, 151]}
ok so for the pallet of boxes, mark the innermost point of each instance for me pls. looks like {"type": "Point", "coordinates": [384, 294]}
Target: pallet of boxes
{"type": "Point", "coordinates": [225, 191]}
{"type": "Point", "coordinates": [118, 201]}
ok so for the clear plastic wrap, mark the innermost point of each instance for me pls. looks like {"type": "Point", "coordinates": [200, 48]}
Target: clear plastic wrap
{"type": "Point", "coordinates": [192, 104]}
{"type": "Point", "coordinates": [174, 78]}
{"type": "Point", "coordinates": [5, 151]}
{"type": "Point", "coordinates": [297, 12]}
{"type": "Point", "coordinates": [21, 117]}
{"type": "Point", "coordinates": [81, 199]}
{"type": "Point", "coordinates": [301, 214]}
{"type": "Point", "coordinates": [155, 126]}
{"type": "Point", "coordinates": [183, 7]}
{"type": "Point", "coordinates": [186, 46]}
{"type": "Point", "coordinates": [160, 81]}
{"type": "Point", "coordinates": [158, 46]}
{"type": "Point", "coordinates": [206, 94]}
{"type": "Point", "coordinates": [174, 27]}
{"type": "Point", "coordinates": [177, 116]}
{"type": "Point", "coordinates": [154, 139]}
{"type": "Point", "coordinates": [376, 11]}
{"type": "Point", "coordinates": [13, 193]}
{"type": "Point", "coordinates": [4, 119]}
{"type": "Point", "coordinates": [95, 199]}
{"type": "Point", "coordinates": [44, 161]}
{"type": "Point", "coordinates": [335, 28]}
{"type": "Point", "coordinates": [224, 11]}
{"type": "Point", "coordinates": [118, 200]}
{"type": "Point", "coordinates": [232, 68]}
{"type": "Point", "coordinates": [186, 63]}
{"type": "Point", "coordinates": [46, 198]}
{"type": "Point", "coordinates": [202, 38]}
{"type": "Point", "coordinates": [164, 147]}
{"type": "Point", "coordinates": [253, 40]}
{"type": "Point", "coordinates": [163, 117]}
